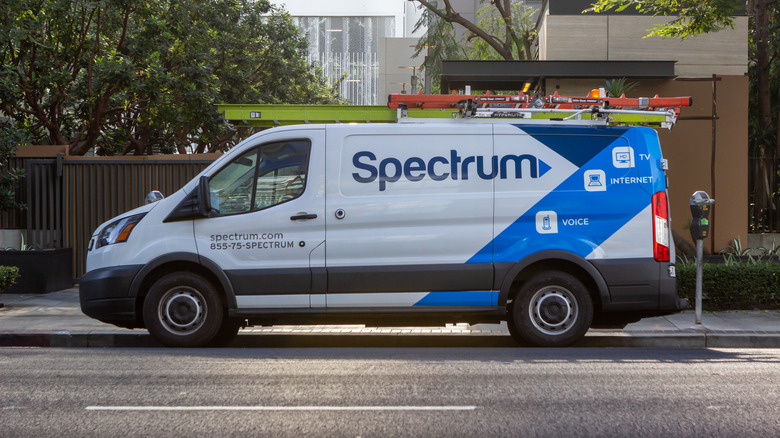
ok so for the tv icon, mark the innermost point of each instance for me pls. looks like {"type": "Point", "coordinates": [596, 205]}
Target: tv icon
{"type": "Point", "coordinates": [623, 157]}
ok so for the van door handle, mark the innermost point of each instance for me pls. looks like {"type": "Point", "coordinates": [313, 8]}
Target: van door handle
{"type": "Point", "coordinates": [301, 216]}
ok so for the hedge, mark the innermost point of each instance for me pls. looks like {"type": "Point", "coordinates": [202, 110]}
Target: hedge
{"type": "Point", "coordinates": [740, 286]}
{"type": "Point", "coordinates": [8, 276]}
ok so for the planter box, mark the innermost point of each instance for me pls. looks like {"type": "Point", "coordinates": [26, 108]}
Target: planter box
{"type": "Point", "coordinates": [11, 239]}
{"type": "Point", "coordinates": [40, 271]}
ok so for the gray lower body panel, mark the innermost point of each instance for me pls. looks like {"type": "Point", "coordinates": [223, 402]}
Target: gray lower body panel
{"type": "Point", "coordinates": [639, 285]}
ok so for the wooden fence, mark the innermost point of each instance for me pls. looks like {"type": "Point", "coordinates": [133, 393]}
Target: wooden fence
{"type": "Point", "coordinates": [67, 198]}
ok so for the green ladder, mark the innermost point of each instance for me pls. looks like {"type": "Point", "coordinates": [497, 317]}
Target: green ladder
{"type": "Point", "coordinates": [270, 115]}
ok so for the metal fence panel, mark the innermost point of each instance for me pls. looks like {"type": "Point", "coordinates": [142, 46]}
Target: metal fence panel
{"type": "Point", "coordinates": [11, 219]}
{"type": "Point", "coordinates": [766, 219]}
{"type": "Point", "coordinates": [97, 189]}
{"type": "Point", "coordinates": [44, 200]}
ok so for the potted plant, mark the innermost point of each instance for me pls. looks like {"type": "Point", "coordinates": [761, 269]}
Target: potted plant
{"type": "Point", "coordinates": [8, 276]}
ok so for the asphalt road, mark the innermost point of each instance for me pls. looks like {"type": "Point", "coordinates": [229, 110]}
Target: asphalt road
{"type": "Point", "coordinates": [388, 392]}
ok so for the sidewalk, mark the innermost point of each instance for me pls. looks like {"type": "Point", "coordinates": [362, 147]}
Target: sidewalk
{"type": "Point", "coordinates": [55, 320]}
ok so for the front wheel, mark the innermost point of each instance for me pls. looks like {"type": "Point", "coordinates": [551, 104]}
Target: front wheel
{"type": "Point", "coordinates": [183, 309]}
{"type": "Point", "coordinates": [552, 309]}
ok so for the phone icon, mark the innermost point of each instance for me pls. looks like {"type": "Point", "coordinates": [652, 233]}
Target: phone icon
{"type": "Point", "coordinates": [546, 222]}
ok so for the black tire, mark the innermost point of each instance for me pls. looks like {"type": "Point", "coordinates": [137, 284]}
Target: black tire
{"type": "Point", "coordinates": [183, 309]}
{"type": "Point", "coordinates": [551, 309]}
{"type": "Point", "coordinates": [514, 332]}
{"type": "Point", "coordinates": [227, 332]}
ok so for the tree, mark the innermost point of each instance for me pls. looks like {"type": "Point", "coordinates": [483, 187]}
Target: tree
{"type": "Point", "coordinates": [503, 30]}
{"type": "Point", "coordinates": [123, 76]}
{"type": "Point", "coordinates": [438, 42]}
{"type": "Point", "coordinates": [697, 17]}
{"type": "Point", "coordinates": [516, 22]}
{"type": "Point", "coordinates": [691, 17]}
{"type": "Point", "coordinates": [10, 138]}
{"type": "Point", "coordinates": [503, 26]}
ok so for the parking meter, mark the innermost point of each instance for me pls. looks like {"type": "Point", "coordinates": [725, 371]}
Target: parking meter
{"type": "Point", "coordinates": [700, 229]}
{"type": "Point", "coordinates": [700, 210]}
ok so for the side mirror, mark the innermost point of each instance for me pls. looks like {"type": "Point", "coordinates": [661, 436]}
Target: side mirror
{"type": "Point", "coordinates": [153, 196]}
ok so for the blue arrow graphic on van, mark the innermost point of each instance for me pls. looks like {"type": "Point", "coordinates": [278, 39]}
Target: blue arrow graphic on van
{"type": "Point", "coordinates": [564, 141]}
{"type": "Point", "coordinates": [583, 220]}
{"type": "Point", "coordinates": [543, 168]}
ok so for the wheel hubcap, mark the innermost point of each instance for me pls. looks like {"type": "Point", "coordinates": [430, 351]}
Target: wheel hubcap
{"type": "Point", "coordinates": [553, 310]}
{"type": "Point", "coordinates": [182, 310]}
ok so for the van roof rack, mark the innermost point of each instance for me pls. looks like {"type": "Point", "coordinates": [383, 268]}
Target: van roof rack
{"type": "Point", "coordinates": [594, 109]}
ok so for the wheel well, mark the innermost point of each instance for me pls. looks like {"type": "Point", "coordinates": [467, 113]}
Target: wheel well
{"type": "Point", "coordinates": [167, 268]}
{"type": "Point", "coordinates": [556, 265]}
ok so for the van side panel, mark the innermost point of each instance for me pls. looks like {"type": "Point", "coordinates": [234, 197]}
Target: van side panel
{"type": "Point", "coordinates": [406, 208]}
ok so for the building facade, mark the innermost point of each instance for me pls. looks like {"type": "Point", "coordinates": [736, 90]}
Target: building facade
{"type": "Point", "coordinates": [348, 37]}
{"type": "Point", "coordinates": [708, 149]}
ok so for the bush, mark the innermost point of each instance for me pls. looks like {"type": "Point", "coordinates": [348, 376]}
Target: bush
{"type": "Point", "coordinates": [737, 286]}
{"type": "Point", "coordinates": [8, 277]}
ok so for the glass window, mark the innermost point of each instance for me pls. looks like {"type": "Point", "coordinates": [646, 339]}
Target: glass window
{"type": "Point", "coordinates": [281, 173]}
{"type": "Point", "coordinates": [261, 178]}
{"type": "Point", "coordinates": [230, 190]}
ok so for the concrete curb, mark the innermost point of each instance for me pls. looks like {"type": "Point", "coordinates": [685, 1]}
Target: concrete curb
{"type": "Point", "coordinates": [64, 339]}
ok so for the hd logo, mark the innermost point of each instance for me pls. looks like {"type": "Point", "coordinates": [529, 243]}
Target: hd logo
{"type": "Point", "coordinates": [439, 168]}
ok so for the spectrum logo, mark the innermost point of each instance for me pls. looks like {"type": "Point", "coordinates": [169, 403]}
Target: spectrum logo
{"type": "Point", "coordinates": [454, 167]}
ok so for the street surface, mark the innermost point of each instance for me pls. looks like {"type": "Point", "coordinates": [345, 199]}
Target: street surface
{"type": "Point", "coordinates": [389, 392]}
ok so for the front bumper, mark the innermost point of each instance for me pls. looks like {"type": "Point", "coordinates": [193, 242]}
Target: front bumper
{"type": "Point", "coordinates": [104, 295]}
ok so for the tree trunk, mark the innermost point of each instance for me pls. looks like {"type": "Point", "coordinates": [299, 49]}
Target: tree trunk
{"type": "Point", "coordinates": [763, 191]}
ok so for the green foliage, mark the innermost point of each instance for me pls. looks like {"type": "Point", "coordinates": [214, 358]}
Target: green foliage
{"type": "Point", "coordinates": [8, 277]}
{"type": "Point", "coordinates": [516, 36]}
{"type": "Point", "coordinates": [524, 32]}
{"type": "Point", "coordinates": [132, 76]}
{"type": "Point", "coordinates": [732, 286]}
{"type": "Point", "coordinates": [762, 134]}
{"type": "Point", "coordinates": [439, 42]}
{"type": "Point", "coordinates": [736, 248]}
{"type": "Point", "coordinates": [618, 87]}
{"type": "Point", "coordinates": [10, 138]}
{"type": "Point", "coordinates": [692, 17]}
{"type": "Point", "coordinates": [735, 252]}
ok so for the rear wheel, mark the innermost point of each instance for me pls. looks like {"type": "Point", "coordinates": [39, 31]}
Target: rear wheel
{"type": "Point", "coordinates": [552, 309]}
{"type": "Point", "coordinates": [183, 309]}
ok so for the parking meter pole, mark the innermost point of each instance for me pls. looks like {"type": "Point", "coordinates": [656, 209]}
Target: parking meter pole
{"type": "Point", "coordinates": [700, 229]}
{"type": "Point", "coordinates": [699, 266]}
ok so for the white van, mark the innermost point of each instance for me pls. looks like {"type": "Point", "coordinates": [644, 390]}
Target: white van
{"type": "Point", "coordinates": [553, 227]}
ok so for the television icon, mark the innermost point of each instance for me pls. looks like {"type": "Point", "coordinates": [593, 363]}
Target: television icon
{"type": "Point", "coordinates": [623, 157]}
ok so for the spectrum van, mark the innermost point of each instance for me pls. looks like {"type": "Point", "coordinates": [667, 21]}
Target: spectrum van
{"type": "Point", "coordinates": [552, 227]}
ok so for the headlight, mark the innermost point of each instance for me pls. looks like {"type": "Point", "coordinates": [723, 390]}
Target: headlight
{"type": "Point", "coordinates": [118, 231]}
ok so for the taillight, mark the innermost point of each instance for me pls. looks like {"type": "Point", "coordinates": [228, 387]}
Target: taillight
{"type": "Point", "coordinates": [660, 227]}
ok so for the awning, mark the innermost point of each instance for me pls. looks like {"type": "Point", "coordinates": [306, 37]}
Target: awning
{"type": "Point", "coordinates": [513, 75]}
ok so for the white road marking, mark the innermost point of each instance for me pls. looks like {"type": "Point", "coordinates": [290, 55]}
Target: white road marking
{"type": "Point", "coordinates": [280, 408]}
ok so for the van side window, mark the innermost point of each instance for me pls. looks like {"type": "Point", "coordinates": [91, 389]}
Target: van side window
{"type": "Point", "coordinates": [261, 178]}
